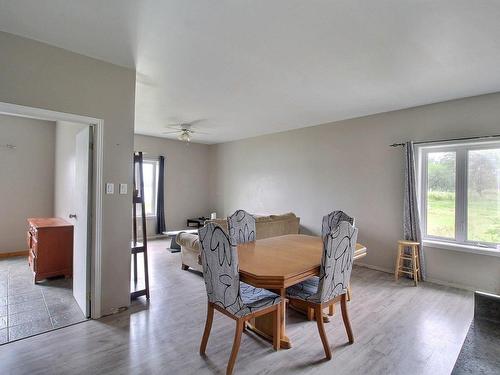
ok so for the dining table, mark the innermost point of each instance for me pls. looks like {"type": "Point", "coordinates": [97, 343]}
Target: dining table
{"type": "Point", "coordinates": [276, 263]}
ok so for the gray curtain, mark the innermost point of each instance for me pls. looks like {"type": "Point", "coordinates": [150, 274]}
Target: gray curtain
{"type": "Point", "coordinates": [411, 216]}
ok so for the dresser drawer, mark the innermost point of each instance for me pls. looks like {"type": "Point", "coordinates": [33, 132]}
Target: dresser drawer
{"type": "Point", "coordinates": [51, 247]}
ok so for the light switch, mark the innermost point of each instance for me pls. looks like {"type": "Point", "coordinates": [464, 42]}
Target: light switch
{"type": "Point", "coordinates": [123, 188]}
{"type": "Point", "coordinates": [110, 188]}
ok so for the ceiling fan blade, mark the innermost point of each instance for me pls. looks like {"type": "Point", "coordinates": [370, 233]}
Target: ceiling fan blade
{"type": "Point", "coordinates": [198, 132]}
{"type": "Point", "coordinates": [197, 121]}
{"type": "Point", "coordinates": [177, 131]}
{"type": "Point", "coordinates": [184, 123]}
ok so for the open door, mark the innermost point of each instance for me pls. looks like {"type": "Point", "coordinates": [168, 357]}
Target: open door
{"type": "Point", "coordinates": [82, 224]}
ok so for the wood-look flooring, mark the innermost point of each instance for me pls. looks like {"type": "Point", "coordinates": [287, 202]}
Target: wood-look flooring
{"type": "Point", "coordinates": [398, 329]}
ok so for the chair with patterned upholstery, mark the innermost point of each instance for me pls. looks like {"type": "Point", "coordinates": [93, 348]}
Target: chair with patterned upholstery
{"type": "Point", "coordinates": [331, 285]}
{"type": "Point", "coordinates": [241, 227]}
{"type": "Point", "coordinates": [227, 294]}
{"type": "Point", "coordinates": [332, 220]}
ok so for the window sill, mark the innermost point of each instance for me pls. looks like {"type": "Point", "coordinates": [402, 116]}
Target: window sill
{"type": "Point", "coordinates": [462, 248]}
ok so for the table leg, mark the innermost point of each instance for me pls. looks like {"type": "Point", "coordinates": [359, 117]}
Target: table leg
{"type": "Point", "coordinates": [263, 325]}
{"type": "Point", "coordinates": [301, 307]}
{"type": "Point", "coordinates": [285, 341]}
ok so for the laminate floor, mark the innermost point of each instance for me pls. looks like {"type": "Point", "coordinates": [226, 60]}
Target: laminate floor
{"type": "Point", "coordinates": [399, 329]}
{"type": "Point", "coordinates": [27, 309]}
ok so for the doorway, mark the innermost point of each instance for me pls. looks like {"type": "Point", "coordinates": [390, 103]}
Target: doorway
{"type": "Point", "coordinates": [26, 307]}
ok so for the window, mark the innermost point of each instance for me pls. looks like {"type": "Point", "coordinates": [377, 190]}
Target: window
{"type": "Point", "coordinates": [459, 193]}
{"type": "Point", "coordinates": [150, 173]}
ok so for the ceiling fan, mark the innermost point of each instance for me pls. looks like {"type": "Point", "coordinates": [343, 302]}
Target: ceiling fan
{"type": "Point", "coordinates": [184, 130]}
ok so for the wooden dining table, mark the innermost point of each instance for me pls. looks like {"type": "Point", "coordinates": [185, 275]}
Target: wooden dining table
{"type": "Point", "coordinates": [276, 263]}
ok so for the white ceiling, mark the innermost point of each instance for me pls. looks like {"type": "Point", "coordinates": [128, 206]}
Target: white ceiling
{"type": "Point", "coordinates": [258, 67]}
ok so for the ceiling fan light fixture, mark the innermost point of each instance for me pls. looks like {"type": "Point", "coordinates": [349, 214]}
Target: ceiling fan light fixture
{"type": "Point", "coordinates": [184, 137]}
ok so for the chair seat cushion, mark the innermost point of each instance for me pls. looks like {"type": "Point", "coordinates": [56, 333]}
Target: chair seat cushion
{"type": "Point", "coordinates": [306, 290]}
{"type": "Point", "coordinates": [255, 299]}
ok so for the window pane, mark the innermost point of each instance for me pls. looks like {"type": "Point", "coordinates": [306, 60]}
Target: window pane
{"type": "Point", "coordinates": [441, 194]}
{"type": "Point", "coordinates": [149, 188]}
{"type": "Point", "coordinates": [483, 211]}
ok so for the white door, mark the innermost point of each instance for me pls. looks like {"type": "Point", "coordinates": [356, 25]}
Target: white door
{"type": "Point", "coordinates": [82, 223]}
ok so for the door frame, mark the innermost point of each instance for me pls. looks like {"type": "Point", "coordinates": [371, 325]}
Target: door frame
{"type": "Point", "coordinates": [94, 252]}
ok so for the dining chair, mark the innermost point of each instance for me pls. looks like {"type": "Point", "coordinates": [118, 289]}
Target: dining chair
{"type": "Point", "coordinates": [331, 285]}
{"type": "Point", "coordinates": [333, 219]}
{"type": "Point", "coordinates": [227, 294]}
{"type": "Point", "coordinates": [330, 222]}
{"type": "Point", "coordinates": [241, 227]}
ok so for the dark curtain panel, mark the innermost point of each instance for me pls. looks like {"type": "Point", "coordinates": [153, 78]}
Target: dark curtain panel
{"type": "Point", "coordinates": [160, 201]}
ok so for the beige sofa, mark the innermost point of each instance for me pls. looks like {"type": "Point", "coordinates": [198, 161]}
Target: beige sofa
{"type": "Point", "coordinates": [266, 226]}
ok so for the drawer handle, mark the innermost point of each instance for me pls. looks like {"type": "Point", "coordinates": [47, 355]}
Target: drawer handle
{"type": "Point", "coordinates": [72, 216]}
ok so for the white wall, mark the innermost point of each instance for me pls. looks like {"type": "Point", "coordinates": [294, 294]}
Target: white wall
{"type": "Point", "coordinates": [186, 178]}
{"type": "Point", "coordinates": [64, 182]}
{"type": "Point", "coordinates": [349, 165]}
{"type": "Point", "coordinates": [37, 75]}
{"type": "Point", "coordinates": [27, 177]}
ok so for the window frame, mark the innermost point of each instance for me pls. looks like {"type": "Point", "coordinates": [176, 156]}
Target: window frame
{"type": "Point", "coordinates": [461, 150]}
{"type": "Point", "coordinates": [155, 163]}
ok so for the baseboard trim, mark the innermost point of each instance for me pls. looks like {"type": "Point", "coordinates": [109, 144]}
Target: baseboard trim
{"type": "Point", "coordinates": [157, 237]}
{"type": "Point", "coordinates": [154, 237]}
{"type": "Point", "coordinates": [428, 279]}
{"type": "Point", "coordinates": [452, 285]}
{"type": "Point", "coordinates": [13, 254]}
{"type": "Point", "coordinates": [376, 268]}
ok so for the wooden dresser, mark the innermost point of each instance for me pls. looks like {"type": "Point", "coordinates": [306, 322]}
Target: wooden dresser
{"type": "Point", "coordinates": [50, 243]}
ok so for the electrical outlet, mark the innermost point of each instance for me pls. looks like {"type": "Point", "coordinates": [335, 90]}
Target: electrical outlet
{"type": "Point", "coordinates": [123, 189]}
{"type": "Point", "coordinates": [110, 188]}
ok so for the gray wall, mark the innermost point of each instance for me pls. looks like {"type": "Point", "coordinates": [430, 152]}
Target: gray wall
{"type": "Point", "coordinates": [348, 165]}
{"type": "Point", "coordinates": [27, 177]}
{"type": "Point", "coordinates": [37, 75]}
{"type": "Point", "coordinates": [64, 181]}
{"type": "Point", "coordinates": [186, 178]}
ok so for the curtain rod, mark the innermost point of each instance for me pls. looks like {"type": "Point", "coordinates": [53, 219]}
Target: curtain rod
{"type": "Point", "coordinates": [448, 140]}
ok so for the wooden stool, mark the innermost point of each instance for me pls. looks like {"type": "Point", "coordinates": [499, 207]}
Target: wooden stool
{"type": "Point", "coordinates": [414, 260]}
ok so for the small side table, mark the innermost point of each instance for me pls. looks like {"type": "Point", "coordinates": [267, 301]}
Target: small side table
{"type": "Point", "coordinates": [414, 260]}
{"type": "Point", "coordinates": [196, 222]}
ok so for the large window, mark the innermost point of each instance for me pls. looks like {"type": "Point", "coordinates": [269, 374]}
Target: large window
{"type": "Point", "coordinates": [459, 189]}
{"type": "Point", "coordinates": [150, 173]}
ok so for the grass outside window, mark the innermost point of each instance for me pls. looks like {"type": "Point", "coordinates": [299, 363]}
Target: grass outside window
{"type": "Point", "coordinates": [483, 215]}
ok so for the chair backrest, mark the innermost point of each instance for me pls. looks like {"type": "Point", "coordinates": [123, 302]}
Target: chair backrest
{"type": "Point", "coordinates": [332, 220]}
{"type": "Point", "coordinates": [336, 262]}
{"type": "Point", "coordinates": [241, 226]}
{"type": "Point", "coordinates": [219, 258]}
